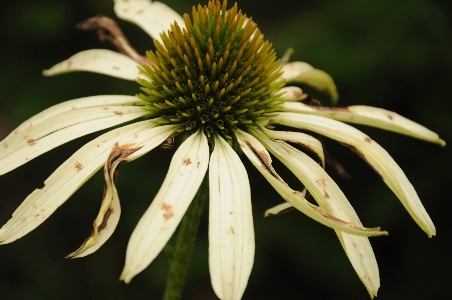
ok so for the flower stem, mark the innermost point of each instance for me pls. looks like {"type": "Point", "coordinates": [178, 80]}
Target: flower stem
{"type": "Point", "coordinates": [179, 256]}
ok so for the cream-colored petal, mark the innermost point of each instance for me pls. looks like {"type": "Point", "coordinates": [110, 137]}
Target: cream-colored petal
{"type": "Point", "coordinates": [92, 101]}
{"type": "Point", "coordinates": [304, 73]}
{"type": "Point", "coordinates": [329, 196]}
{"type": "Point", "coordinates": [371, 116]}
{"type": "Point", "coordinates": [186, 172]}
{"type": "Point", "coordinates": [372, 153]}
{"type": "Point", "coordinates": [52, 132]}
{"type": "Point", "coordinates": [100, 61]}
{"type": "Point", "coordinates": [75, 171]}
{"type": "Point", "coordinates": [259, 157]}
{"type": "Point", "coordinates": [231, 232]}
{"type": "Point", "coordinates": [151, 16]}
{"type": "Point", "coordinates": [306, 141]}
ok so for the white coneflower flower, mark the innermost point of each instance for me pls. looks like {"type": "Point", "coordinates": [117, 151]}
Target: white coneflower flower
{"type": "Point", "coordinates": [213, 84]}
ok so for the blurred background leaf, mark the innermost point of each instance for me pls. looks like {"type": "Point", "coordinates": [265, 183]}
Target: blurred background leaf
{"type": "Point", "coordinates": [391, 54]}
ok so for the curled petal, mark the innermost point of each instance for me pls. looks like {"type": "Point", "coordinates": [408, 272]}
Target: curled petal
{"type": "Point", "coordinates": [329, 196]}
{"type": "Point", "coordinates": [372, 153]}
{"type": "Point", "coordinates": [186, 172]}
{"type": "Point", "coordinates": [108, 217]}
{"type": "Point", "coordinates": [231, 232]}
{"type": "Point", "coordinates": [371, 116]}
{"type": "Point", "coordinates": [75, 171]}
{"type": "Point", "coordinates": [38, 138]}
{"type": "Point", "coordinates": [100, 61]}
{"type": "Point", "coordinates": [152, 17]}
{"type": "Point", "coordinates": [293, 93]}
{"type": "Point", "coordinates": [304, 73]}
{"type": "Point", "coordinates": [279, 209]}
{"type": "Point", "coordinates": [259, 157]}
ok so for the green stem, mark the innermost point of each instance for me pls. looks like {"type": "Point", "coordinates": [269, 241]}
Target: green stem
{"type": "Point", "coordinates": [179, 256]}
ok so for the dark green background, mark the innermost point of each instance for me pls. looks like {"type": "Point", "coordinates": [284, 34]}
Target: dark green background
{"type": "Point", "coordinates": [391, 54]}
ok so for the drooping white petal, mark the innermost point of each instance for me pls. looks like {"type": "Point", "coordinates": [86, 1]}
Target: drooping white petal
{"type": "Point", "coordinates": [304, 140]}
{"type": "Point", "coordinates": [301, 72]}
{"type": "Point", "coordinates": [92, 101]}
{"type": "Point", "coordinates": [75, 171]}
{"type": "Point", "coordinates": [152, 16]}
{"type": "Point", "coordinates": [231, 232]}
{"type": "Point", "coordinates": [259, 157]}
{"type": "Point", "coordinates": [371, 116]}
{"type": "Point", "coordinates": [186, 172]}
{"type": "Point", "coordinates": [372, 153]}
{"type": "Point", "coordinates": [100, 61]}
{"type": "Point", "coordinates": [54, 131]}
{"type": "Point", "coordinates": [328, 195]}
{"type": "Point", "coordinates": [108, 217]}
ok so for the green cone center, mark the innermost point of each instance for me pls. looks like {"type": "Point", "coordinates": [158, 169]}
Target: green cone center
{"type": "Point", "coordinates": [218, 73]}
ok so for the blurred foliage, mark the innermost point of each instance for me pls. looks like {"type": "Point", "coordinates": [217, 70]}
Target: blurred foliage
{"type": "Point", "coordinates": [391, 54]}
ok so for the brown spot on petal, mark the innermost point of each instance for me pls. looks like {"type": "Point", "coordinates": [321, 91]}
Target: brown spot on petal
{"type": "Point", "coordinates": [187, 161]}
{"type": "Point", "coordinates": [31, 142]}
{"type": "Point", "coordinates": [168, 212]}
{"type": "Point", "coordinates": [231, 230]}
{"type": "Point", "coordinates": [390, 117]}
{"type": "Point", "coordinates": [119, 113]}
{"type": "Point", "coordinates": [5, 146]}
{"type": "Point", "coordinates": [140, 11]}
{"type": "Point", "coordinates": [322, 184]}
{"type": "Point", "coordinates": [367, 139]}
{"type": "Point", "coordinates": [78, 166]}
{"type": "Point", "coordinates": [116, 68]}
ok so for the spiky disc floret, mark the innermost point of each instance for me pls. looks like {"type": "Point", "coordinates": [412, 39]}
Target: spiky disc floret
{"type": "Point", "coordinates": [218, 73]}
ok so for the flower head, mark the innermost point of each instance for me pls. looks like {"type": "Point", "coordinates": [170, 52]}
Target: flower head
{"type": "Point", "coordinates": [215, 86]}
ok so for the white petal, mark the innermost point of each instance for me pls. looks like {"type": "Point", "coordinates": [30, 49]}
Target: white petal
{"type": "Point", "coordinates": [328, 195]}
{"type": "Point", "coordinates": [372, 153]}
{"type": "Point", "coordinates": [186, 172]}
{"type": "Point", "coordinates": [231, 232]}
{"type": "Point", "coordinates": [304, 140]}
{"type": "Point", "coordinates": [92, 101]}
{"type": "Point", "coordinates": [54, 131]}
{"type": "Point", "coordinates": [152, 17]}
{"type": "Point", "coordinates": [259, 157]}
{"type": "Point", "coordinates": [100, 61]}
{"type": "Point", "coordinates": [371, 116]}
{"type": "Point", "coordinates": [75, 171]}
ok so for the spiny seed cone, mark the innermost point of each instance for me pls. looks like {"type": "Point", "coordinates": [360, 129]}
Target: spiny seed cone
{"type": "Point", "coordinates": [216, 74]}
